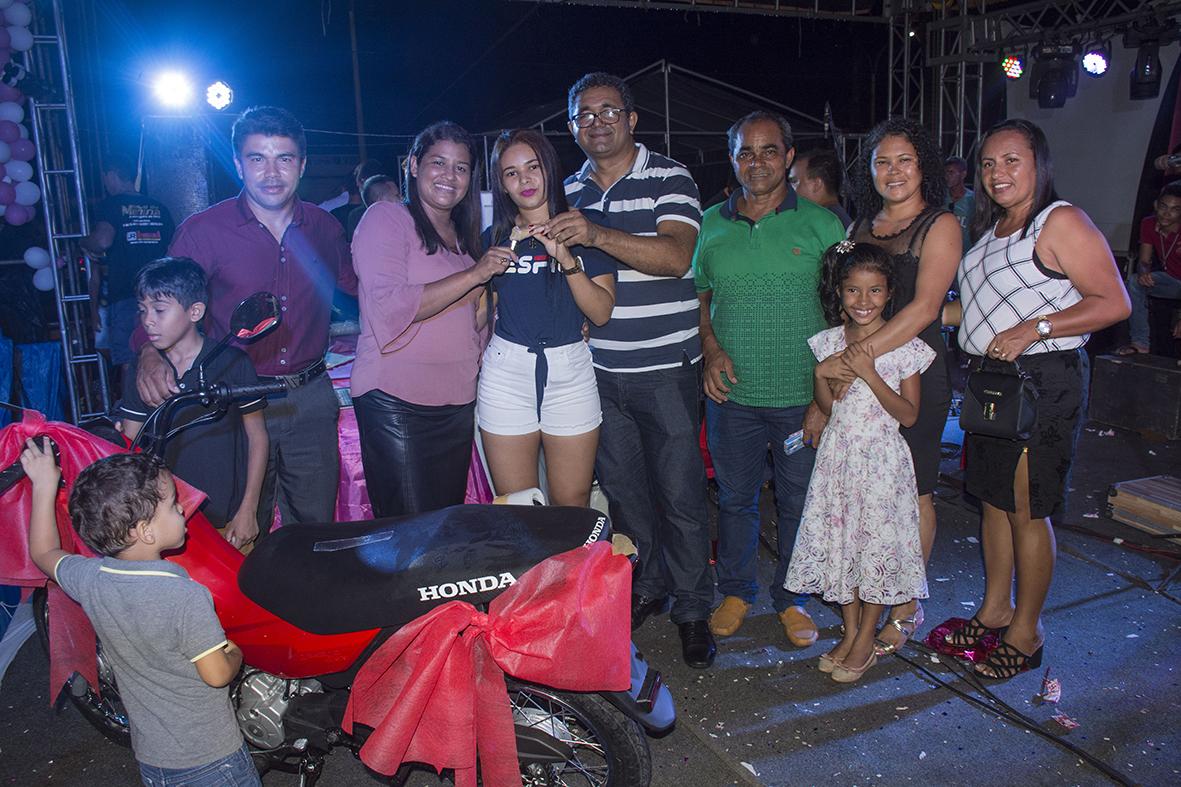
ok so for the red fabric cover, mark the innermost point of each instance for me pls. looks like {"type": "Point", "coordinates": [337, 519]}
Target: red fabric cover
{"type": "Point", "coordinates": [435, 691]}
{"type": "Point", "coordinates": [71, 639]}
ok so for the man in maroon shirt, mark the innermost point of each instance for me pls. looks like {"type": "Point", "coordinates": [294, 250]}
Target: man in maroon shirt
{"type": "Point", "coordinates": [267, 239]}
{"type": "Point", "coordinates": [1160, 234]}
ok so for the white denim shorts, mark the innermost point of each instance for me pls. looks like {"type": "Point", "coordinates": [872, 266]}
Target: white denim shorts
{"type": "Point", "coordinates": [506, 403]}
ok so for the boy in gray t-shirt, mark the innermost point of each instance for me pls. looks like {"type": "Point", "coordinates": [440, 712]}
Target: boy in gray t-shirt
{"type": "Point", "coordinates": [158, 627]}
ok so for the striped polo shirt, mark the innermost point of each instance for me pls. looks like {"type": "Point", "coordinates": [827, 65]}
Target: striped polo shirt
{"type": "Point", "coordinates": [655, 321]}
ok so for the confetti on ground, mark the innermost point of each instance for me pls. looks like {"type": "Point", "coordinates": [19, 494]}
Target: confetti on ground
{"type": "Point", "coordinates": [1051, 689]}
{"type": "Point", "coordinates": [922, 755]}
{"type": "Point", "coordinates": [942, 579]}
{"type": "Point", "coordinates": [1065, 721]}
{"type": "Point", "coordinates": [1107, 433]}
{"type": "Point", "coordinates": [749, 767]}
{"type": "Point", "coordinates": [1132, 636]}
{"type": "Point", "coordinates": [972, 540]}
{"type": "Point", "coordinates": [1090, 516]}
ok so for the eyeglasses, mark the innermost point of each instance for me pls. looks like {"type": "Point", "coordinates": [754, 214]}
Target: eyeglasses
{"type": "Point", "coordinates": [610, 116]}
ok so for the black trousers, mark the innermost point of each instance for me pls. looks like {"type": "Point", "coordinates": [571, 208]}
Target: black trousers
{"type": "Point", "coordinates": [303, 469]}
{"type": "Point", "coordinates": [416, 457]}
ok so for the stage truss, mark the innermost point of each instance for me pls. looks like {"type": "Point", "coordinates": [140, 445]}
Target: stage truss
{"type": "Point", "coordinates": [938, 48]}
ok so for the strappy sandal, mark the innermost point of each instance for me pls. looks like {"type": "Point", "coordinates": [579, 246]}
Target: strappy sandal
{"type": "Point", "coordinates": [971, 633]}
{"type": "Point", "coordinates": [1006, 661]}
{"type": "Point", "coordinates": [906, 627]}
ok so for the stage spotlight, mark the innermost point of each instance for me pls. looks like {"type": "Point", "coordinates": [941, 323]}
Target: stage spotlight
{"type": "Point", "coordinates": [219, 95]}
{"type": "Point", "coordinates": [173, 89]}
{"type": "Point", "coordinates": [1097, 59]}
{"type": "Point", "coordinates": [1055, 75]}
{"type": "Point", "coordinates": [1013, 65]}
{"type": "Point", "coordinates": [1146, 74]}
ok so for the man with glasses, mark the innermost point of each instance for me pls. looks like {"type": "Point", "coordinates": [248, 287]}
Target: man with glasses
{"type": "Point", "coordinates": [757, 269]}
{"type": "Point", "coordinates": [646, 356]}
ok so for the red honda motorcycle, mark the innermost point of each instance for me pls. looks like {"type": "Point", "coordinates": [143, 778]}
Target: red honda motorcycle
{"type": "Point", "coordinates": [312, 603]}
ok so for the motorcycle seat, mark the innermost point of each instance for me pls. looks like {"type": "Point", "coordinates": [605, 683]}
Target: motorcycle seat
{"type": "Point", "coordinates": [354, 576]}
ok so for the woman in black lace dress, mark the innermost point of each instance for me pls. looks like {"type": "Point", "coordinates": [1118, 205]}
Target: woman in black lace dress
{"type": "Point", "coordinates": [901, 197]}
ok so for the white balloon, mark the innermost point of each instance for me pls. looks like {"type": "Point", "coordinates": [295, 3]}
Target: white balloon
{"type": "Point", "coordinates": [37, 258]}
{"type": "Point", "coordinates": [27, 193]}
{"type": "Point", "coordinates": [5, 3]}
{"type": "Point", "coordinates": [5, 152]}
{"type": "Point", "coordinates": [22, 39]}
{"type": "Point", "coordinates": [18, 170]}
{"type": "Point", "coordinates": [10, 110]}
{"type": "Point", "coordinates": [18, 14]}
{"type": "Point", "coordinates": [43, 279]}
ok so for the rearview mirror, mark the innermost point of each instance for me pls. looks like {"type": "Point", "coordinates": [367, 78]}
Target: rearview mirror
{"type": "Point", "coordinates": [255, 317]}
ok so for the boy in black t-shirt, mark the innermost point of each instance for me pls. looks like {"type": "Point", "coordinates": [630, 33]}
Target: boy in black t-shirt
{"type": "Point", "coordinates": [225, 459]}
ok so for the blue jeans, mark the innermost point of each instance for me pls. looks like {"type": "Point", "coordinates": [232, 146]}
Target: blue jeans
{"type": "Point", "coordinates": [650, 468]}
{"type": "Point", "coordinates": [738, 436]}
{"type": "Point", "coordinates": [1165, 287]}
{"type": "Point", "coordinates": [236, 770]}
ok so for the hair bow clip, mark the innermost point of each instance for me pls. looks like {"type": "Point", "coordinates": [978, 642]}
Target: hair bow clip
{"type": "Point", "coordinates": [845, 246]}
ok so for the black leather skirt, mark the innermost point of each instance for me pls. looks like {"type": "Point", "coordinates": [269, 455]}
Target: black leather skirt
{"type": "Point", "coordinates": [416, 457]}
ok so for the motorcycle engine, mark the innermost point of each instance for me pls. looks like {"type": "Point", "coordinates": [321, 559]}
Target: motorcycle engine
{"type": "Point", "coordinates": [262, 702]}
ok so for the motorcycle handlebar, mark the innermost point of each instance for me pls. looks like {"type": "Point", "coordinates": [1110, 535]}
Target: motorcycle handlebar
{"type": "Point", "coordinates": [15, 471]}
{"type": "Point", "coordinates": [247, 391]}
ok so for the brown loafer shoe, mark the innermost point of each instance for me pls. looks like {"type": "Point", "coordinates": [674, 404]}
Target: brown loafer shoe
{"type": "Point", "coordinates": [728, 617]}
{"type": "Point", "coordinates": [798, 626]}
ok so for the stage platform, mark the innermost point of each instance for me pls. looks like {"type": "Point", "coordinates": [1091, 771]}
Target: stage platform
{"type": "Point", "coordinates": [764, 715]}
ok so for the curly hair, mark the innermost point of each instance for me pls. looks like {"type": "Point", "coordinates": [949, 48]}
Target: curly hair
{"type": "Point", "coordinates": [934, 185]}
{"type": "Point", "coordinates": [112, 496]}
{"type": "Point", "coordinates": [841, 259]}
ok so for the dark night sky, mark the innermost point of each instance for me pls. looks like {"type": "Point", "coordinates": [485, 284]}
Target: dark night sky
{"type": "Point", "coordinates": [472, 61]}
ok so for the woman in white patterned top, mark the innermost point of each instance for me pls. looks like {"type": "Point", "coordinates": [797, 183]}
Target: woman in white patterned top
{"type": "Point", "coordinates": [1036, 284]}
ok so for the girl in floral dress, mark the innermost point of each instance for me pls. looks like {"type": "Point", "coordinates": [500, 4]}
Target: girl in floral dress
{"type": "Point", "coordinates": [858, 542]}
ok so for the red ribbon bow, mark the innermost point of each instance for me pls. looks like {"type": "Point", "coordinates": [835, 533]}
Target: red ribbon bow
{"type": "Point", "coordinates": [435, 691]}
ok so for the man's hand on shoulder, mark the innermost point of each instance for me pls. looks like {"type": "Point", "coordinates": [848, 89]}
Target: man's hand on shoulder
{"type": "Point", "coordinates": [154, 379]}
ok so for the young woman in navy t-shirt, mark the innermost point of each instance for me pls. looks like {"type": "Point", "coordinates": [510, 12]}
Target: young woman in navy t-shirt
{"type": "Point", "coordinates": [537, 385]}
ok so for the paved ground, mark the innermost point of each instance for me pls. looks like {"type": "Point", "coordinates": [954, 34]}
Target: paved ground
{"type": "Point", "coordinates": [764, 715]}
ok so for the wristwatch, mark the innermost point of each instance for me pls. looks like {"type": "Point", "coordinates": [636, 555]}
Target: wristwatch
{"type": "Point", "coordinates": [1044, 327]}
{"type": "Point", "coordinates": [575, 268]}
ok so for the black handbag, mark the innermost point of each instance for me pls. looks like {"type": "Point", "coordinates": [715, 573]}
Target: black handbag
{"type": "Point", "coordinates": [1000, 400]}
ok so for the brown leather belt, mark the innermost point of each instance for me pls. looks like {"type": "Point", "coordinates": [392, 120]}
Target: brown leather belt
{"type": "Point", "coordinates": [300, 378]}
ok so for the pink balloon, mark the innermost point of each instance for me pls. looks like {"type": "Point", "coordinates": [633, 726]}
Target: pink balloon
{"type": "Point", "coordinates": [22, 149]}
{"type": "Point", "coordinates": [17, 215]}
{"type": "Point", "coordinates": [10, 93]}
{"type": "Point", "coordinates": [7, 193]}
{"type": "Point", "coordinates": [9, 131]}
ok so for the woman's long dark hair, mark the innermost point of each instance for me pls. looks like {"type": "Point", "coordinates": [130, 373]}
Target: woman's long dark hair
{"type": "Point", "coordinates": [841, 259]}
{"type": "Point", "coordinates": [504, 210]}
{"type": "Point", "coordinates": [987, 212]}
{"type": "Point", "coordinates": [466, 215]}
{"type": "Point", "coordinates": [931, 163]}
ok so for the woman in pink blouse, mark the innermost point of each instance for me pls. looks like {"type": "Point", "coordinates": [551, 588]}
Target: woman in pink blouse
{"type": "Point", "coordinates": [414, 380]}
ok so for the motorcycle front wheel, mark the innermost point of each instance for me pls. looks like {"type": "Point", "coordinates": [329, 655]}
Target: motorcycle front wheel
{"type": "Point", "coordinates": [103, 709]}
{"type": "Point", "coordinates": [609, 749]}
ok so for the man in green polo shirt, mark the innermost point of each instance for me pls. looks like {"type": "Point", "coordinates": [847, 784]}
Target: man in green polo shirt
{"type": "Point", "coordinates": [757, 267]}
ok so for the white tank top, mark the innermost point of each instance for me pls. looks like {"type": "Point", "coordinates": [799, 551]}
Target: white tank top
{"type": "Point", "coordinates": [1003, 283]}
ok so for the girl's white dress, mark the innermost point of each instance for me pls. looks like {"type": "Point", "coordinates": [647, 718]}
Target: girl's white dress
{"type": "Point", "coordinates": [859, 534]}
